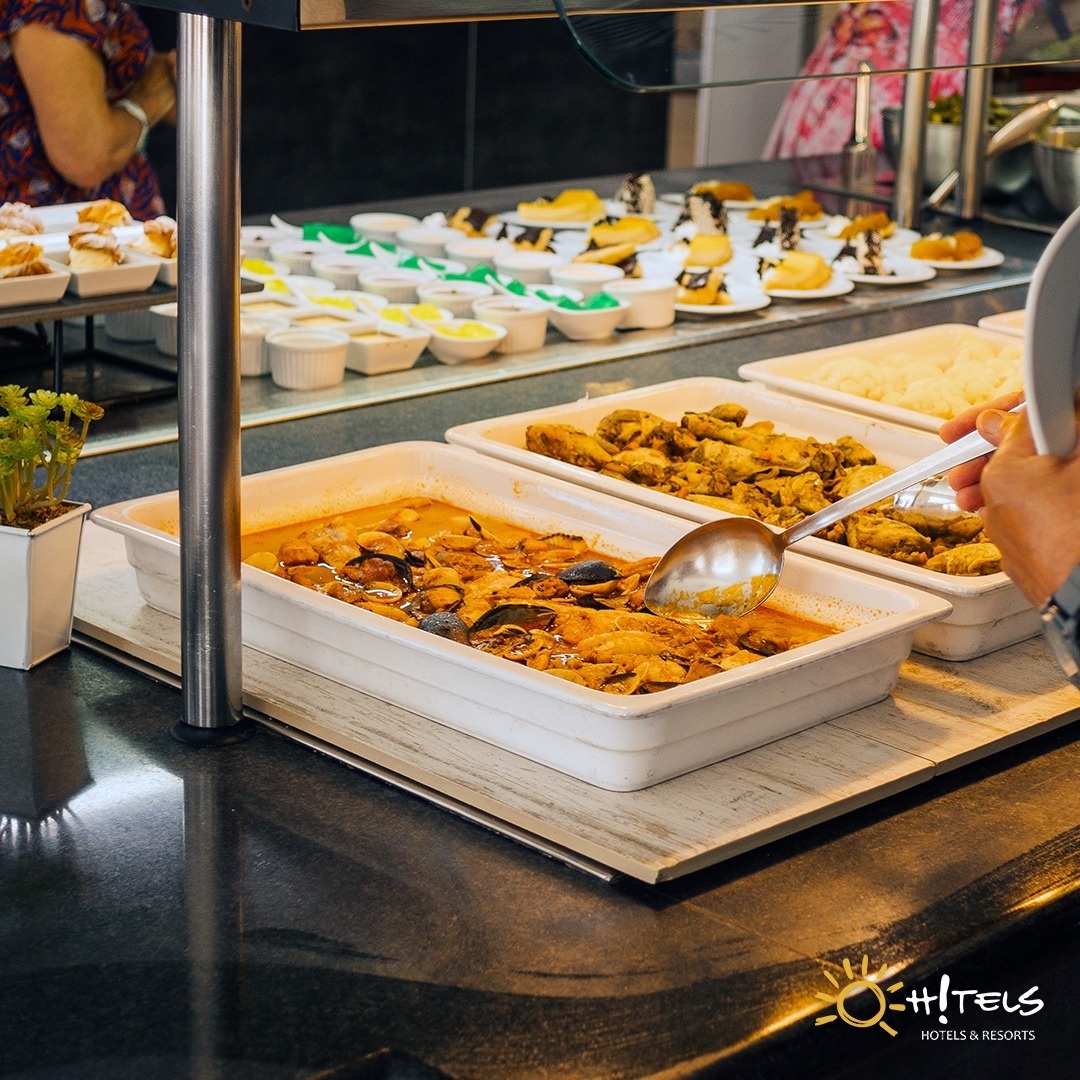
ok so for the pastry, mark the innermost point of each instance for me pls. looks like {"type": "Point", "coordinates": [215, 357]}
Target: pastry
{"type": "Point", "coordinates": [22, 258]}
{"type": "Point", "coordinates": [471, 220]}
{"type": "Point", "coordinates": [724, 190]}
{"type": "Point", "coordinates": [879, 221]}
{"type": "Point", "coordinates": [93, 247]}
{"type": "Point", "coordinates": [701, 287]}
{"type": "Point", "coordinates": [611, 255]}
{"type": "Point", "coordinates": [787, 229]}
{"type": "Point", "coordinates": [106, 212]}
{"type": "Point", "coordinates": [959, 247]}
{"type": "Point", "coordinates": [627, 230]}
{"type": "Point", "coordinates": [528, 239]}
{"type": "Point", "coordinates": [158, 238]}
{"type": "Point", "coordinates": [17, 219]}
{"type": "Point", "coordinates": [637, 193]}
{"type": "Point", "coordinates": [573, 204]}
{"type": "Point", "coordinates": [705, 211]}
{"type": "Point", "coordinates": [804, 201]}
{"type": "Point", "coordinates": [798, 270]}
{"type": "Point", "coordinates": [706, 250]}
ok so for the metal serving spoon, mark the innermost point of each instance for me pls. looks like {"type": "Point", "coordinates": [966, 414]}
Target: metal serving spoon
{"type": "Point", "coordinates": [729, 567]}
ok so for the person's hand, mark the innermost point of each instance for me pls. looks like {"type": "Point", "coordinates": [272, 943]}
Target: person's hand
{"type": "Point", "coordinates": [155, 88]}
{"type": "Point", "coordinates": [1029, 502]}
{"type": "Point", "coordinates": [964, 479]}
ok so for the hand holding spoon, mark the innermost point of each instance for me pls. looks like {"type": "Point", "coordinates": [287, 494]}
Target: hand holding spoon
{"type": "Point", "coordinates": [730, 567]}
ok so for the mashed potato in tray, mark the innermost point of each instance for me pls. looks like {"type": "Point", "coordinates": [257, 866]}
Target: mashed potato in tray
{"type": "Point", "coordinates": [942, 383]}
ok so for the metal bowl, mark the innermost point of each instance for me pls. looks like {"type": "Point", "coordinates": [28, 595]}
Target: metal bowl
{"type": "Point", "coordinates": [1056, 157]}
{"type": "Point", "coordinates": [1006, 173]}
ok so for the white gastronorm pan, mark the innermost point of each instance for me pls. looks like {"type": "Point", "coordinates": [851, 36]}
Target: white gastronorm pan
{"type": "Point", "coordinates": [793, 374]}
{"type": "Point", "coordinates": [988, 612]}
{"type": "Point", "coordinates": [615, 742]}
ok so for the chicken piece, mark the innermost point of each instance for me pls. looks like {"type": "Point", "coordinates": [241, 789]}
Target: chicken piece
{"type": "Point", "coordinates": [642, 466]}
{"type": "Point", "coordinates": [696, 478]}
{"type": "Point", "coordinates": [566, 443]}
{"type": "Point", "coordinates": [804, 492]}
{"type": "Point", "coordinates": [952, 528]}
{"type": "Point", "coordinates": [851, 452]}
{"type": "Point", "coordinates": [968, 560]}
{"type": "Point", "coordinates": [735, 462]}
{"type": "Point", "coordinates": [631, 428]}
{"type": "Point", "coordinates": [858, 478]}
{"type": "Point", "coordinates": [724, 503]}
{"type": "Point", "coordinates": [872, 531]}
{"type": "Point", "coordinates": [752, 497]}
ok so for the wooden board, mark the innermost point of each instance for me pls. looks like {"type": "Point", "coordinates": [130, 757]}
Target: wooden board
{"type": "Point", "coordinates": [940, 715]}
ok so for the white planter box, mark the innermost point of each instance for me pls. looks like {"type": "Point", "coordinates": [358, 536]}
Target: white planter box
{"type": "Point", "coordinates": [37, 582]}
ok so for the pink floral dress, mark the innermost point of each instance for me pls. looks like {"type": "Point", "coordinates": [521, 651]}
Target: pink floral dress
{"type": "Point", "coordinates": [117, 33]}
{"type": "Point", "coordinates": [817, 116]}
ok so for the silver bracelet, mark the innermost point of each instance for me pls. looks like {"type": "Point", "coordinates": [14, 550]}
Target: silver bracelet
{"type": "Point", "coordinates": [139, 113]}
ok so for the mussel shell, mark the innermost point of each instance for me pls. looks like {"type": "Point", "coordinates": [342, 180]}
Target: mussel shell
{"type": "Point", "coordinates": [589, 572]}
{"type": "Point", "coordinates": [527, 616]}
{"type": "Point", "coordinates": [399, 564]}
{"type": "Point", "coordinates": [447, 625]}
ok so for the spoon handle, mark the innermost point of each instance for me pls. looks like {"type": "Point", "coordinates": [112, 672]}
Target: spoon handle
{"type": "Point", "coordinates": [956, 453]}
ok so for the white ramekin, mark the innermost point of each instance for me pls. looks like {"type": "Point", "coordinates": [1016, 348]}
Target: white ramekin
{"type": "Point", "coordinates": [306, 359]}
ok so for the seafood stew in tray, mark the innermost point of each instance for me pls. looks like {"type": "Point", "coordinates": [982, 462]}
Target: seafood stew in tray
{"type": "Point", "coordinates": [705, 448]}
{"type": "Point", "coordinates": [506, 604]}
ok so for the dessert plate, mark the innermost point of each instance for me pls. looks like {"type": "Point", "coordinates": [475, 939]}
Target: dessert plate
{"type": "Point", "coordinates": [36, 289]}
{"type": "Point", "coordinates": [984, 261]}
{"type": "Point", "coordinates": [838, 285]}
{"type": "Point", "coordinates": [905, 272]}
{"type": "Point", "coordinates": [752, 302]}
{"type": "Point", "coordinates": [135, 274]}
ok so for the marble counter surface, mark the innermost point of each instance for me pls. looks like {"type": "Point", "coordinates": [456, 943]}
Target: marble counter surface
{"type": "Point", "coordinates": [264, 911]}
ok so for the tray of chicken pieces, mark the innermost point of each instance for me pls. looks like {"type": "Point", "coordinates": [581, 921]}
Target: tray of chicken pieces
{"type": "Point", "coordinates": [508, 605]}
{"type": "Point", "coordinates": [708, 447]}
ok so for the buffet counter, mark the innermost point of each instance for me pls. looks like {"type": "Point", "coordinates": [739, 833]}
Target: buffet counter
{"type": "Point", "coordinates": [267, 910]}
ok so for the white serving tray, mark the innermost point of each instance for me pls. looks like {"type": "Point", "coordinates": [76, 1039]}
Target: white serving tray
{"type": "Point", "coordinates": [1006, 322]}
{"type": "Point", "coordinates": [611, 741]}
{"type": "Point", "coordinates": [791, 374]}
{"type": "Point", "coordinates": [36, 289]}
{"type": "Point", "coordinates": [135, 274]}
{"type": "Point", "coordinates": [988, 612]}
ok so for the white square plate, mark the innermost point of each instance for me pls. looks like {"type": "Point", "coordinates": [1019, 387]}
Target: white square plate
{"type": "Point", "coordinates": [37, 289]}
{"type": "Point", "coordinates": [135, 274]}
{"type": "Point", "coordinates": [613, 741]}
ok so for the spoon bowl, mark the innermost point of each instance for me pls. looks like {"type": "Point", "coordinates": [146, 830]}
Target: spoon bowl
{"type": "Point", "coordinates": [731, 566]}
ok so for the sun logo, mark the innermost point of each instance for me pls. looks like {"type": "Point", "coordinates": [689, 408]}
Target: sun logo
{"type": "Point", "coordinates": [854, 986]}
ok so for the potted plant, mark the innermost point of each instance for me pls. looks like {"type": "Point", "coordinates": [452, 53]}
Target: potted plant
{"type": "Point", "coordinates": [41, 437]}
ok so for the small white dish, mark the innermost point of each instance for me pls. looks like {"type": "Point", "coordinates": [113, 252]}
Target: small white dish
{"type": "Point", "coordinates": [254, 357]}
{"type": "Point", "coordinates": [422, 315]}
{"type": "Point", "coordinates": [473, 251]}
{"type": "Point", "coordinates": [255, 240]}
{"type": "Point", "coordinates": [450, 347]}
{"type": "Point", "coordinates": [587, 324]}
{"type": "Point", "coordinates": [37, 289]}
{"type": "Point", "coordinates": [525, 319]}
{"type": "Point", "coordinates": [837, 285]}
{"type": "Point", "coordinates": [256, 268]}
{"type": "Point", "coordinates": [652, 302]}
{"type": "Point", "coordinates": [529, 267]}
{"type": "Point", "coordinates": [588, 277]}
{"type": "Point", "coordinates": [270, 303]}
{"type": "Point", "coordinates": [397, 284]}
{"type": "Point", "coordinates": [341, 269]}
{"type": "Point", "coordinates": [136, 273]}
{"type": "Point", "coordinates": [135, 325]}
{"type": "Point", "coordinates": [318, 317]}
{"type": "Point", "coordinates": [165, 325]}
{"type": "Point", "coordinates": [390, 347]}
{"type": "Point", "coordinates": [303, 286]}
{"type": "Point", "coordinates": [381, 225]}
{"type": "Point", "coordinates": [457, 297]}
{"type": "Point", "coordinates": [297, 255]}
{"type": "Point", "coordinates": [429, 242]}
{"type": "Point", "coordinates": [306, 359]}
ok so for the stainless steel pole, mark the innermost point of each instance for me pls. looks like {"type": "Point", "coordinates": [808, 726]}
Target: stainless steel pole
{"type": "Point", "coordinates": [208, 291]}
{"type": "Point", "coordinates": [977, 81]}
{"type": "Point", "coordinates": [907, 192]}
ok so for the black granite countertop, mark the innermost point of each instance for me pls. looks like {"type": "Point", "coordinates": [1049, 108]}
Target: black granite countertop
{"type": "Point", "coordinates": [264, 911]}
